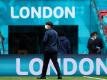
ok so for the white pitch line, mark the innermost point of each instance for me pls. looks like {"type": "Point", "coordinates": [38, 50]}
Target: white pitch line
{"type": "Point", "coordinates": [94, 78]}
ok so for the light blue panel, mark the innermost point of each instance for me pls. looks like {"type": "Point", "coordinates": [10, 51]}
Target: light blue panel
{"type": "Point", "coordinates": [86, 17]}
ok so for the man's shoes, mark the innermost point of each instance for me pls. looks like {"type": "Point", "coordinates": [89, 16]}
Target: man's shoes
{"type": "Point", "coordinates": [59, 77]}
{"type": "Point", "coordinates": [41, 78]}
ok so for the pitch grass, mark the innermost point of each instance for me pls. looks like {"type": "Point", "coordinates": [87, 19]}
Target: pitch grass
{"type": "Point", "coordinates": [52, 78]}
{"type": "Point", "coordinates": [48, 78]}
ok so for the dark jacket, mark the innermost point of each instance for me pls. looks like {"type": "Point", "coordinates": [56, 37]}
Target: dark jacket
{"type": "Point", "coordinates": [64, 45]}
{"type": "Point", "coordinates": [2, 38]}
{"type": "Point", "coordinates": [99, 43]}
{"type": "Point", "coordinates": [93, 44]}
{"type": "Point", "coordinates": [50, 41]}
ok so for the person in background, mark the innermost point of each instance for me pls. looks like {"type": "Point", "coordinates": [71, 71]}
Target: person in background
{"type": "Point", "coordinates": [1, 43]}
{"type": "Point", "coordinates": [50, 42]}
{"type": "Point", "coordinates": [64, 47]}
{"type": "Point", "coordinates": [95, 44]}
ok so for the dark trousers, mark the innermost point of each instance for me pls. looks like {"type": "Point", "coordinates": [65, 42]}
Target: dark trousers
{"type": "Point", "coordinates": [53, 57]}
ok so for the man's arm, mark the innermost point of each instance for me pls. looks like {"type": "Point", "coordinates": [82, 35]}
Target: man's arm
{"type": "Point", "coordinates": [90, 45]}
{"type": "Point", "coordinates": [101, 44]}
{"type": "Point", "coordinates": [45, 39]}
{"type": "Point", "coordinates": [2, 41]}
{"type": "Point", "coordinates": [2, 38]}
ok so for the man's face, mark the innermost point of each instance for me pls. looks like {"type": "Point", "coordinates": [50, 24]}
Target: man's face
{"type": "Point", "coordinates": [95, 36]}
{"type": "Point", "coordinates": [47, 26]}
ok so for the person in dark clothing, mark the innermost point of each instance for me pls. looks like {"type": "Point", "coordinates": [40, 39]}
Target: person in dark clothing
{"type": "Point", "coordinates": [2, 41]}
{"type": "Point", "coordinates": [50, 42]}
{"type": "Point", "coordinates": [64, 44]}
{"type": "Point", "coordinates": [95, 44]}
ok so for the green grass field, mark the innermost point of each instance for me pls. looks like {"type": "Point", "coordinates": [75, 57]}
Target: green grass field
{"type": "Point", "coordinates": [54, 78]}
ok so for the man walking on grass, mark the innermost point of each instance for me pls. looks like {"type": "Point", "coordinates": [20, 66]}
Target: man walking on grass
{"type": "Point", "coordinates": [50, 42]}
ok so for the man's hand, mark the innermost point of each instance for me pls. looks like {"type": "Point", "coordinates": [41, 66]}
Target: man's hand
{"type": "Point", "coordinates": [99, 49]}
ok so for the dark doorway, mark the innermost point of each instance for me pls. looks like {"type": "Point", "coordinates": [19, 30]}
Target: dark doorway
{"type": "Point", "coordinates": [29, 38]}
